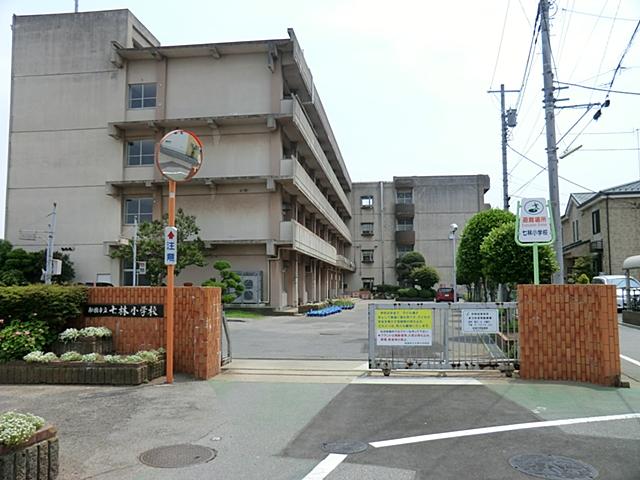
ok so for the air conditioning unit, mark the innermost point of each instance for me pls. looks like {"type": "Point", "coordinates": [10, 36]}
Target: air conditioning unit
{"type": "Point", "coordinates": [252, 287]}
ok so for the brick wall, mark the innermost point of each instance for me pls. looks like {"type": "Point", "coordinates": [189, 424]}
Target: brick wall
{"type": "Point", "coordinates": [197, 325]}
{"type": "Point", "coordinates": [569, 332]}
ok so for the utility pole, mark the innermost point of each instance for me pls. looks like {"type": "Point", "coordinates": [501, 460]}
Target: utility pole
{"type": "Point", "coordinates": [507, 119]}
{"type": "Point", "coordinates": [550, 122]}
{"type": "Point", "coordinates": [48, 273]}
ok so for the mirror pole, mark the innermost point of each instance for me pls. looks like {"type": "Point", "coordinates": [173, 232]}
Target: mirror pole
{"type": "Point", "coordinates": [170, 286]}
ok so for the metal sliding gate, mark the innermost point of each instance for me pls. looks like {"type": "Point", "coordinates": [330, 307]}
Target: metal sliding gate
{"type": "Point", "coordinates": [443, 336]}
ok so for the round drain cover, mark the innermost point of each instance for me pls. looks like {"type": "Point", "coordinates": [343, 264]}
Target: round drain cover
{"type": "Point", "coordinates": [344, 446]}
{"type": "Point", "coordinates": [177, 456]}
{"type": "Point", "coordinates": [553, 467]}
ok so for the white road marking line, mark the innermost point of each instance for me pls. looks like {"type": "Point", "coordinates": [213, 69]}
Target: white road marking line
{"type": "Point", "coordinates": [364, 366]}
{"type": "Point", "coordinates": [325, 467]}
{"type": "Point", "coordinates": [415, 381]}
{"type": "Point", "coordinates": [501, 428]}
{"type": "Point", "coordinates": [630, 360]}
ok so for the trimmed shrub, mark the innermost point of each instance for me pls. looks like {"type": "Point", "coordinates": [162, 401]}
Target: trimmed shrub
{"type": "Point", "coordinates": [21, 338]}
{"type": "Point", "coordinates": [53, 304]}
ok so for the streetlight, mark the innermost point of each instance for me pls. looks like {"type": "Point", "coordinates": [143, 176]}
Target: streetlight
{"type": "Point", "coordinates": [453, 228]}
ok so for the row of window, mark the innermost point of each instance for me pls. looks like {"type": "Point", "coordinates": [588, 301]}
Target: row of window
{"type": "Point", "coordinates": [595, 225]}
{"type": "Point", "coordinates": [402, 225]}
{"type": "Point", "coordinates": [402, 196]}
{"type": "Point", "coordinates": [367, 255]}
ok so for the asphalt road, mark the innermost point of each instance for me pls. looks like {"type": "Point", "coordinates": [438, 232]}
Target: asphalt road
{"type": "Point", "coordinates": [630, 351]}
{"type": "Point", "coordinates": [269, 419]}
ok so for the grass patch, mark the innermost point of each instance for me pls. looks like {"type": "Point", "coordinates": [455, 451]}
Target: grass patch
{"type": "Point", "coordinates": [242, 314]}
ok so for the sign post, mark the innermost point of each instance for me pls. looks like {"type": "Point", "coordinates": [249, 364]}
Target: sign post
{"type": "Point", "coordinates": [178, 157]}
{"type": "Point", "coordinates": [534, 227]}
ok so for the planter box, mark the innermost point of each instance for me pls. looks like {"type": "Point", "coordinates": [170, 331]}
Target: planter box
{"type": "Point", "coordinates": [102, 345]}
{"type": "Point", "coordinates": [73, 373]}
{"type": "Point", "coordinates": [37, 459]}
{"type": "Point", "coordinates": [156, 370]}
{"type": "Point", "coordinates": [630, 317]}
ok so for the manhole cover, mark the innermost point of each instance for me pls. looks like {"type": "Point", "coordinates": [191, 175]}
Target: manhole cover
{"type": "Point", "coordinates": [553, 467]}
{"type": "Point", "coordinates": [344, 446]}
{"type": "Point", "coordinates": [177, 456]}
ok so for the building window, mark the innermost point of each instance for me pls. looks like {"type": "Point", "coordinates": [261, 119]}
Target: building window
{"type": "Point", "coordinates": [595, 221]}
{"type": "Point", "coordinates": [142, 95]}
{"type": "Point", "coordinates": [127, 274]}
{"type": "Point", "coordinates": [141, 207]}
{"type": "Point", "coordinates": [367, 256]}
{"type": "Point", "coordinates": [576, 230]}
{"type": "Point", "coordinates": [140, 152]}
{"type": "Point", "coordinates": [404, 224]}
{"type": "Point", "coordinates": [402, 249]}
{"type": "Point", "coordinates": [404, 196]}
{"type": "Point", "coordinates": [366, 201]}
{"type": "Point", "coordinates": [367, 229]}
{"type": "Point", "coordinates": [367, 284]}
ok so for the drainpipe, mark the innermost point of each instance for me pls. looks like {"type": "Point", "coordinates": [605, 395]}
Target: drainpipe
{"type": "Point", "coordinates": [608, 236]}
{"type": "Point", "coordinates": [382, 227]}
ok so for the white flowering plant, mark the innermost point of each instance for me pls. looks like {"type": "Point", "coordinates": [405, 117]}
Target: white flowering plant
{"type": "Point", "coordinates": [99, 332]}
{"type": "Point", "coordinates": [16, 428]}
{"type": "Point", "coordinates": [71, 357]}
{"type": "Point", "coordinates": [39, 357]}
{"type": "Point", "coordinates": [73, 334]}
{"type": "Point", "coordinates": [92, 357]}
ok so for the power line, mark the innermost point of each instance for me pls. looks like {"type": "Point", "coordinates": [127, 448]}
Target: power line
{"type": "Point", "coordinates": [615, 19]}
{"type": "Point", "coordinates": [584, 49]}
{"type": "Point", "coordinates": [608, 90]}
{"type": "Point", "coordinates": [504, 26]}
{"type": "Point", "coordinates": [610, 149]}
{"type": "Point", "coordinates": [544, 167]}
{"type": "Point", "coordinates": [529, 63]}
{"type": "Point", "coordinates": [624, 54]}
{"type": "Point", "coordinates": [606, 46]}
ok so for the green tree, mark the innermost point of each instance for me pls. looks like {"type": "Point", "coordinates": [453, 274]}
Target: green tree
{"type": "Point", "coordinates": [582, 266]}
{"type": "Point", "coordinates": [151, 247]}
{"type": "Point", "coordinates": [406, 264]}
{"type": "Point", "coordinates": [68, 271]}
{"type": "Point", "coordinates": [425, 277]}
{"type": "Point", "coordinates": [230, 282]}
{"type": "Point", "coordinates": [469, 267]}
{"type": "Point", "coordinates": [506, 262]}
{"type": "Point", "coordinates": [20, 268]}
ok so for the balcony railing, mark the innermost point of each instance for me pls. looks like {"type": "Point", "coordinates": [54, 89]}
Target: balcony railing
{"type": "Point", "coordinates": [289, 167]}
{"type": "Point", "coordinates": [304, 126]}
{"type": "Point", "coordinates": [406, 237]}
{"type": "Point", "coordinates": [344, 262]}
{"type": "Point", "coordinates": [305, 241]}
{"type": "Point", "coordinates": [405, 209]}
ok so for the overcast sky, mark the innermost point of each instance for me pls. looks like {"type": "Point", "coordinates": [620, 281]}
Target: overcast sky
{"type": "Point", "coordinates": [405, 83]}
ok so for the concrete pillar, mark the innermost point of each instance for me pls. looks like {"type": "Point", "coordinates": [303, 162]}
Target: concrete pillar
{"type": "Point", "coordinates": [314, 280]}
{"type": "Point", "coordinates": [296, 281]}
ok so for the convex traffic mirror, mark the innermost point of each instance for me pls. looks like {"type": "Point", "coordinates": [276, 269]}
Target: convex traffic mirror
{"type": "Point", "coordinates": [179, 155]}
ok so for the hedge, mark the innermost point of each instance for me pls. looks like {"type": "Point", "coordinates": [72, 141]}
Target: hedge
{"type": "Point", "coordinates": [54, 304]}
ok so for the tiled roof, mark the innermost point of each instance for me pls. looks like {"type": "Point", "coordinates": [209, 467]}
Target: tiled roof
{"type": "Point", "coordinates": [632, 187]}
{"type": "Point", "coordinates": [583, 197]}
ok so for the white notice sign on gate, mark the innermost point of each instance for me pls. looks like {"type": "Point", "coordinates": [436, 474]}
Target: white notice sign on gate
{"type": "Point", "coordinates": [480, 321]}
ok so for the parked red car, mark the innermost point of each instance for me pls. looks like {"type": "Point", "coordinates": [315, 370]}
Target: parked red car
{"type": "Point", "coordinates": [444, 294]}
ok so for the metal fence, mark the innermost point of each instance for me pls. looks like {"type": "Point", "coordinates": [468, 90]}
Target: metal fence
{"type": "Point", "coordinates": [443, 336]}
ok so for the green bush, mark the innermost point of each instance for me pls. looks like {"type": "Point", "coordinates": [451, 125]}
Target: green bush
{"type": "Point", "coordinates": [21, 338]}
{"type": "Point", "coordinates": [408, 293]}
{"type": "Point", "coordinates": [582, 279]}
{"type": "Point", "coordinates": [342, 303]}
{"type": "Point", "coordinates": [53, 304]}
